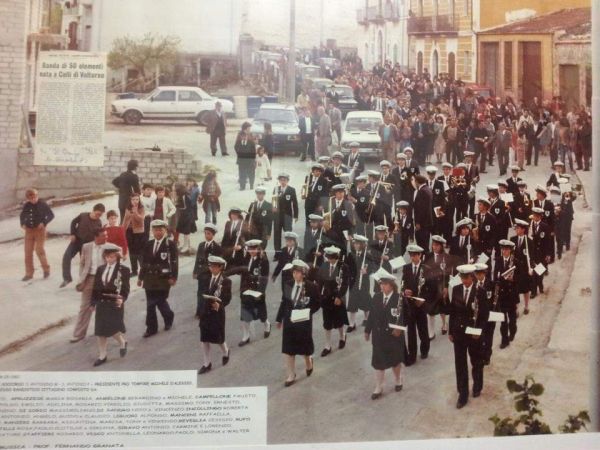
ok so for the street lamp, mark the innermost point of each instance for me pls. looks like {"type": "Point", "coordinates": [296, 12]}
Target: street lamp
{"type": "Point", "coordinates": [291, 80]}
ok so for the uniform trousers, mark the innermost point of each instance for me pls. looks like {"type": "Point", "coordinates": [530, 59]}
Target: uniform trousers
{"type": "Point", "coordinates": [464, 345]}
{"type": "Point", "coordinates": [157, 299]}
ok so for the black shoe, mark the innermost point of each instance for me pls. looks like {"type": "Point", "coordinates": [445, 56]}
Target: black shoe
{"type": "Point", "coordinates": [444, 331]}
{"type": "Point", "coordinates": [351, 328]}
{"type": "Point", "coordinates": [303, 159]}
{"type": "Point", "coordinates": [460, 403]}
{"type": "Point", "coordinates": [289, 383]}
{"type": "Point", "coordinates": [205, 369]}
{"type": "Point", "coordinates": [364, 323]}
{"type": "Point", "coordinates": [64, 283]}
{"type": "Point", "coordinates": [526, 311]}
{"type": "Point", "coordinates": [376, 395]}
{"type": "Point", "coordinates": [504, 345]}
{"type": "Point", "coordinates": [99, 362]}
{"type": "Point", "coordinates": [409, 362]}
{"type": "Point", "coordinates": [342, 343]}
{"type": "Point", "coordinates": [486, 362]}
{"type": "Point", "coordinates": [325, 352]}
{"type": "Point", "coordinates": [398, 388]}
{"type": "Point", "coordinates": [424, 356]}
{"type": "Point", "coordinates": [168, 326]}
{"type": "Point", "coordinates": [482, 171]}
{"type": "Point", "coordinates": [123, 351]}
{"type": "Point", "coordinates": [226, 358]}
{"type": "Point", "coordinates": [312, 367]}
{"type": "Point", "coordinates": [268, 332]}
{"type": "Point", "coordinates": [46, 275]}
{"type": "Point", "coordinates": [476, 394]}
{"type": "Point", "coordinates": [512, 338]}
{"type": "Point", "coordinates": [225, 154]}
{"type": "Point", "coordinates": [147, 334]}
{"type": "Point", "coordinates": [432, 338]}
{"type": "Point", "coordinates": [26, 278]}
{"type": "Point", "coordinates": [559, 256]}
{"type": "Point", "coordinates": [532, 296]}
{"type": "Point", "coordinates": [242, 343]}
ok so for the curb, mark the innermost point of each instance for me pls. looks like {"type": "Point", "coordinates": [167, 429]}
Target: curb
{"type": "Point", "coordinates": [17, 345]}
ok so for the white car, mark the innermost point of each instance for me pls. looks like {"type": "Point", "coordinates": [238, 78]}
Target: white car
{"type": "Point", "coordinates": [169, 103]}
{"type": "Point", "coordinates": [362, 127]}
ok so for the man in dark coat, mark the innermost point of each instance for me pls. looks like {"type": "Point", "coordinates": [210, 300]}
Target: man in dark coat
{"type": "Point", "coordinates": [260, 218]}
{"type": "Point", "coordinates": [217, 295]}
{"type": "Point", "coordinates": [422, 211]}
{"type": "Point", "coordinates": [543, 248]}
{"type": "Point", "coordinates": [507, 270]}
{"type": "Point", "coordinates": [307, 126]}
{"type": "Point", "coordinates": [127, 183]}
{"type": "Point", "coordinates": [216, 126]}
{"type": "Point", "coordinates": [158, 273]}
{"type": "Point", "coordinates": [317, 191]}
{"type": "Point", "coordinates": [285, 208]}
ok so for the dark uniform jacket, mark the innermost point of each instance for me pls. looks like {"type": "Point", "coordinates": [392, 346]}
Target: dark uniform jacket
{"type": "Point", "coordinates": [205, 250]}
{"type": "Point", "coordinates": [260, 220]}
{"type": "Point", "coordinates": [462, 313]}
{"type": "Point", "coordinates": [158, 268]}
{"type": "Point", "coordinates": [287, 202]}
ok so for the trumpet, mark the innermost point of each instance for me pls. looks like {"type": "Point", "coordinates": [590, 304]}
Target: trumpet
{"type": "Point", "coordinates": [307, 183]}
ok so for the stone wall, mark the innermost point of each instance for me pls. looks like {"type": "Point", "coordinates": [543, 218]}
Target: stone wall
{"type": "Point", "coordinates": [12, 88]}
{"type": "Point", "coordinates": [61, 181]}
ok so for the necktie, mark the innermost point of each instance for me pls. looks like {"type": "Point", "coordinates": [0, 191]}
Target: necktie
{"type": "Point", "coordinates": [385, 300]}
{"type": "Point", "coordinates": [435, 258]}
{"type": "Point", "coordinates": [107, 277]}
{"type": "Point", "coordinates": [250, 263]}
{"type": "Point", "coordinates": [259, 205]}
{"type": "Point", "coordinates": [415, 269]}
{"type": "Point", "coordinates": [520, 241]}
{"type": "Point", "coordinates": [331, 270]}
{"type": "Point", "coordinates": [156, 245]}
{"type": "Point", "coordinates": [291, 251]}
{"type": "Point", "coordinates": [462, 241]}
{"type": "Point", "coordinates": [212, 283]}
{"type": "Point", "coordinates": [466, 299]}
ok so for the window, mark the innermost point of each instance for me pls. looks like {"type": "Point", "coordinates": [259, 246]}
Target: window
{"type": "Point", "coordinates": [189, 96]}
{"type": "Point", "coordinates": [165, 96]}
{"type": "Point", "coordinates": [508, 65]}
{"type": "Point", "coordinates": [466, 5]}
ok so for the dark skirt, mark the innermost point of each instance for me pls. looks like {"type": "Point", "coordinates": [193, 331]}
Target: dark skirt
{"type": "Point", "coordinates": [335, 317]}
{"type": "Point", "coordinates": [297, 338]}
{"type": "Point", "coordinates": [360, 299]}
{"type": "Point", "coordinates": [212, 326]}
{"type": "Point", "coordinates": [253, 310]}
{"type": "Point", "coordinates": [185, 222]}
{"type": "Point", "coordinates": [388, 351]}
{"type": "Point", "coordinates": [135, 241]}
{"type": "Point", "coordinates": [109, 319]}
{"type": "Point", "coordinates": [523, 283]}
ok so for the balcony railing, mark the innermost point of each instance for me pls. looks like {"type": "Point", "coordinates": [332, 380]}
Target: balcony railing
{"type": "Point", "coordinates": [374, 14]}
{"type": "Point", "coordinates": [440, 24]}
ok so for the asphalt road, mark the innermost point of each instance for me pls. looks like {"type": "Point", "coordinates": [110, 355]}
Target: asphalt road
{"type": "Point", "coordinates": [334, 403]}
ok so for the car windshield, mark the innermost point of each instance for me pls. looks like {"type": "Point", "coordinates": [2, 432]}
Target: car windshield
{"type": "Point", "coordinates": [276, 115]}
{"type": "Point", "coordinates": [311, 72]}
{"type": "Point", "coordinates": [151, 94]}
{"type": "Point", "coordinates": [363, 123]}
{"type": "Point", "coordinates": [342, 91]}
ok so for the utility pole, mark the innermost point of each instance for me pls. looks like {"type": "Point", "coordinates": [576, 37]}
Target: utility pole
{"type": "Point", "coordinates": [594, 398]}
{"type": "Point", "coordinates": [291, 79]}
{"type": "Point", "coordinates": [321, 28]}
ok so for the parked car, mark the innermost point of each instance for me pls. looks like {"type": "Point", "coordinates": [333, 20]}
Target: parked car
{"type": "Point", "coordinates": [343, 95]}
{"type": "Point", "coordinates": [284, 123]}
{"type": "Point", "coordinates": [329, 67]}
{"type": "Point", "coordinates": [362, 127]}
{"type": "Point", "coordinates": [169, 103]}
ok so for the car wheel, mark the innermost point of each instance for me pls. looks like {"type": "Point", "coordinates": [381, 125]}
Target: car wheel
{"type": "Point", "coordinates": [202, 117]}
{"type": "Point", "coordinates": [132, 117]}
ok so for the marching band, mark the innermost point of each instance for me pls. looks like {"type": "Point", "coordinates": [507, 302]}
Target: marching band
{"type": "Point", "coordinates": [399, 246]}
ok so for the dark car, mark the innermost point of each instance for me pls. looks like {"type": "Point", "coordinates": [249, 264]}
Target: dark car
{"type": "Point", "coordinates": [284, 123]}
{"type": "Point", "coordinates": [343, 96]}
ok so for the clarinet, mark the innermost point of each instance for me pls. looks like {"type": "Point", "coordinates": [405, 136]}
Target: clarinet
{"type": "Point", "coordinates": [362, 266]}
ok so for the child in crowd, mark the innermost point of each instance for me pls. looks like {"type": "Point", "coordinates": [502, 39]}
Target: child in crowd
{"type": "Point", "coordinates": [209, 197]}
{"type": "Point", "coordinates": [116, 233]}
{"type": "Point", "coordinates": [263, 166]}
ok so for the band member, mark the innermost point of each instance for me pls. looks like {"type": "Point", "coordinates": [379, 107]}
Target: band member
{"type": "Point", "coordinates": [254, 272]}
{"type": "Point", "coordinates": [411, 164]}
{"type": "Point", "coordinates": [233, 238]}
{"type": "Point", "coordinates": [486, 290]}
{"type": "Point", "coordinates": [403, 189]}
{"type": "Point", "coordinates": [462, 245]}
{"type": "Point", "coordinates": [326, 162]}
{"type": "Point", "coordinates": [564, 221]}
{"type": "Point", "coordinates": [523, 252]}
{"type": "Point", "coordinates": [359, 196]}
{"type": "Point", "coordinates": [158, 274]}
{"type": "Point", "coordinates": [354, 161]}
{"type": "Point", "coordinates": [557, 175]}
{"type": "Point", "coordinates": [359, 296]}
{"type": "Point", "coordinates": [381, 248]}
{"type": "Point", "coordinates": [317, 191]}
{"type": "Point", "coordinates": [543, 248]}
{"type": "Point", "coordinates": [285, 208]}
{"type": "Point", "coordinates": [498, 209]}
{"type": "Point", "coordinates": [486, 227]}
{"type": "Point", "coordinates": [380, 201]}
{"type": "Point", "coordinates": [442, 222]}
{"type": "Point", "coordinates": [404, 231]}
{"type": "Point", "coordinates": [459, 193]}
{"type": "Point", "coordinates": [541, 201]}
{"type": "Point", "coordinates": [201, 271]}
{"type": "Point", "coordinates": [472, 178]}
{"type": "Point", "coordinates": [522, 202]}
{"type": "Point", "coordinates": [260, 218]}
{"type": "Point", "coordinates": [513, 180]}
{"type": "Point", "coordinates": [338, 167]}
{"type": "Point", "coordinates": [422, 211]}
{"type": "Point", "coordinates": [386, 172]}
{"type": "Point", "coordinates": [417, 289]}
{"type": "Point", "coordinates": [299, 301]}
{"type": "Point", "coordinates": [439, 266]}
{"type": "Point", "coordinates": [290, 252]}
{"type": "Point", "coordinates": [384, 328]}
{"type": "Point", "coordinates": [110, 291]}
{"type": "Point", "coordinates": [508, 293]}
{"type": "Point", "coordinates": [217, 295]}
{"type": "Point", "coordinates": [333, 282]}
{"type": "Point", "coordinates": [341, 217]}
{"type": "Point", "coordinates": [467, 309]}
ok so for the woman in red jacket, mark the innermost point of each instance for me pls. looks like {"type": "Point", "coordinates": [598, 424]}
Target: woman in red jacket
{"type": "Point", "coordinates": [115, 232]}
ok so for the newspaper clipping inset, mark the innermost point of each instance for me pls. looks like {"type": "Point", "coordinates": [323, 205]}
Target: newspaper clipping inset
{"type": "Point", "coordinates": [71, 97]}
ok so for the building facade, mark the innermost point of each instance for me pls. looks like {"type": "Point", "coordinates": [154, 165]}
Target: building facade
{"type": "Point", "coordinates": [382, 32]}
{"type": "Point", "coordinates": [544, 56]}
{"type": "Point", "coordinates": [443, 33]}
